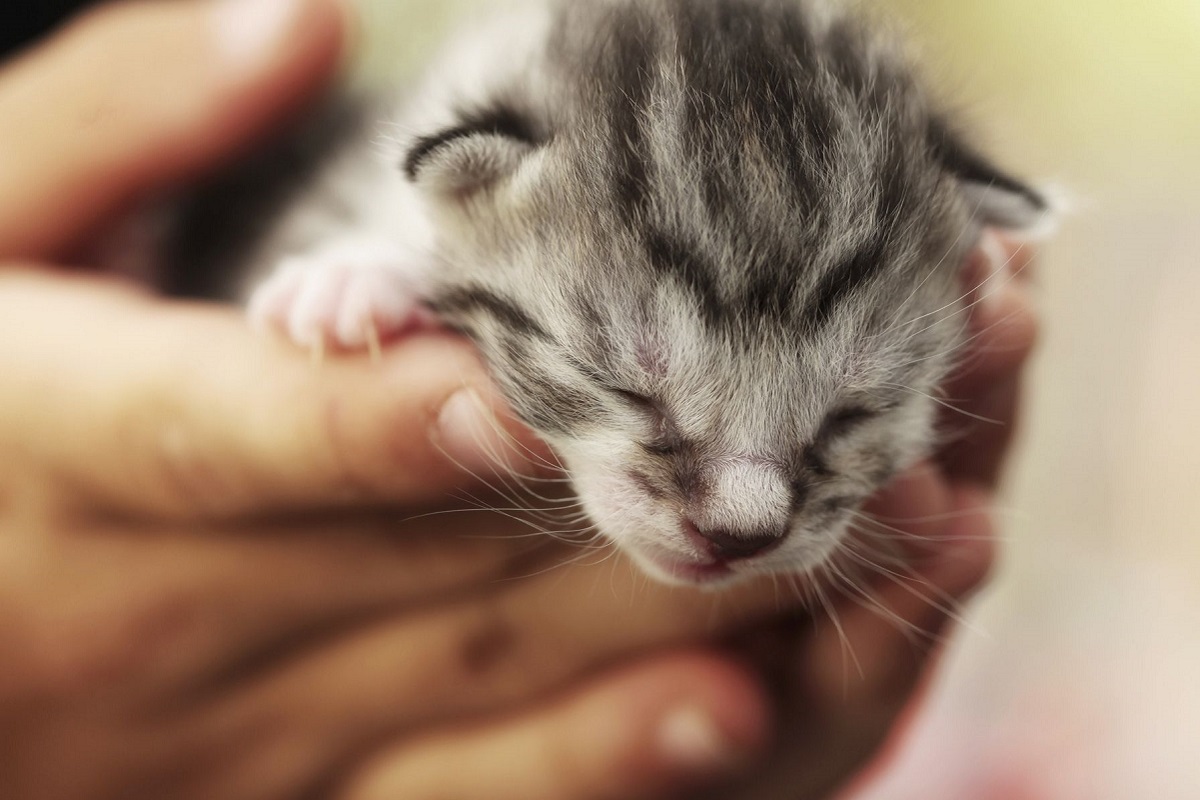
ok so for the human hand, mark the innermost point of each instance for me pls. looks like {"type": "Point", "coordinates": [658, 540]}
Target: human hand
{"type": "Point", "coordinates": [923, 546]}
{"type": "Point", "coordinates": [181, 615]}
{"type": "Point", "coordinates": [112, 445]}
{"type": "Point", "coordinates": [181, 612]}
{"type": "Point", "coordinates": [288, 649]}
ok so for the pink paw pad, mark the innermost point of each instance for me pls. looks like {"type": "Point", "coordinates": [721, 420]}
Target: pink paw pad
{"type": "Point", "coordinates": [350, 298]}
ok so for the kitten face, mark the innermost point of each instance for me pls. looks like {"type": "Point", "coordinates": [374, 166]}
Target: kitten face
{"type": "Point", "coordinates": [709, 441]}
{"type": "Point", "coordinates": [712, 259]}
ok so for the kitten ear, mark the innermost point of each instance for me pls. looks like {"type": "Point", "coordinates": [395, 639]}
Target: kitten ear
{"type": "Point", "coordinates": [995, 198]}
{"type": "Point", "coordinates": [471, 156]}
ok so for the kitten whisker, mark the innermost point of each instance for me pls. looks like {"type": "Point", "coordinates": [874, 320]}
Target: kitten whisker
{"type": "Point", "coordinates": [862, 597]}
{"type": "Point", "coordinates": [910, 581]}
{"type": "Point", "coordinates": [1009, 277]}
{"type": "Point", "coordinates": [881, 525]}
{"type": "Point", "coordinates": [830, 609]}
{"type": "Point", "coordinates": [948, 405]}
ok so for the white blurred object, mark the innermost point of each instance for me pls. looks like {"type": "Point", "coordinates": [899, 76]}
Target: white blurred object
{"type": "Point", "coordinates": [1095, 696]}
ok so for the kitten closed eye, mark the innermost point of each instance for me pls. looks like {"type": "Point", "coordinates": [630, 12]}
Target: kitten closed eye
{"type": "Point", "coordinates": [675, 229]}
{"type": "Point", "coordinates": [843, 421]}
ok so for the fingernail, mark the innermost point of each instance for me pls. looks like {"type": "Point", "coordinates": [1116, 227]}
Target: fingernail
{"type": "Point", "coordinates": [691, 740]}
{"type": "Point", "coordinates": [1000, 293]}
{"type": "Point", "coordinates": [996, 300]}
{"type": "Point", "coordinates": [247, 28]}
{"type": "Point", "coordinates": [471, 436]}
{"type": "Point", "coordinates": [996, 252]}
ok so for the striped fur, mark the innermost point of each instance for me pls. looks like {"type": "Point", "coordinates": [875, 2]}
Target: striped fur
{"type": "Point", "coordinates": [709, 249]}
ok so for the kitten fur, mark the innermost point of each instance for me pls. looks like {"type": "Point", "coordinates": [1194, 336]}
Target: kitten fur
{"type": "Point", "coordinates": [709, 249]}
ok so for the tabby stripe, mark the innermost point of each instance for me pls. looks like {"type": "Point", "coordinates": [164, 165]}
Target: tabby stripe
{"type": "Point", "coordinates": [670, 259]}
{"type": "Point", "coordinates": [634, 44]}
{"type": "Point", "coordinates": [476, 299]}
{"type": "Point", "coordinates": [550, 405]}
{"type": "Point", "coordinates": [843, 281]}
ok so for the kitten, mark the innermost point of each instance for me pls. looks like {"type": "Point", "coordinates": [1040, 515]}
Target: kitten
{"type": "Point", "coordinates": [708, 248]}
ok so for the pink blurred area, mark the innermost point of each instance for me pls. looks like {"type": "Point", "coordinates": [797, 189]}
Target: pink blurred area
{"type": "Point", "coordinates": [1079, 678]}
{"type": "Point", "coordinates": [1096, 699]}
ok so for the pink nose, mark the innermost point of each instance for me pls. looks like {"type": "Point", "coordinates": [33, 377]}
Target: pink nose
{"type": "Point", "coordinates": [726, 545]}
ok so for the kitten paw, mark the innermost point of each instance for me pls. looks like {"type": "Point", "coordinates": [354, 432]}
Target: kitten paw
{"type": "Point", "coordinates": [348, 296]}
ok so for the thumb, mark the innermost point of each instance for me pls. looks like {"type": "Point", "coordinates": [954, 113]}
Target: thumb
{"type": "Point", "coordinates": [136, 406]}
{"type": "Point", "coordinates": [137, 96]}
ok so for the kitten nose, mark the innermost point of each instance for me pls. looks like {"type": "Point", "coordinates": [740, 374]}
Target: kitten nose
{"type": "Point", "coordinates": [725, 545]}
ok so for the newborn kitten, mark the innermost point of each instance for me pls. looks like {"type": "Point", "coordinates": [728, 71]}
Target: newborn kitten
{"type": "Point", "coordinates": [709, 249]}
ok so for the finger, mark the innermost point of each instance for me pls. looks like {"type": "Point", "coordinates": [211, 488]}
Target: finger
{"type": "Point", "coordinates": [207, 610]}
{"type": "Point", "coordinates": [523, 638]}
{"type": "Point", "coordinates": [905, 520]}
{"type": "Point", "coordinates": [979, 450]}
{"type": "Point", "coordinates": [984, 394]}
{"type": "Point", "coordinates": [647, 731]}
{"type": "Point", "coordinates": [1003, 324]}
{"type": "Point", "coordinates": [851, 683]}
{"type": "Point", "coordinates": [140, 95]}
{"type": "Point", "coordinates": [890, 629]}
{"type": "Point", "coordinates": [140, 406]}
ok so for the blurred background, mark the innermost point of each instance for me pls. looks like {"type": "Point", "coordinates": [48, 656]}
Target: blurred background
{"type": "Point", "coordinates": [1080, 676]}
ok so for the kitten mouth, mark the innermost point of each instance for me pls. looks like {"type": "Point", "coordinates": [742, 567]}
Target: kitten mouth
{"type": "Point", "coordinates": [693, 571]}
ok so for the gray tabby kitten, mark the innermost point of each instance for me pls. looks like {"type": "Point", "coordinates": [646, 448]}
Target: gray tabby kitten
{"type": "Point", "coordinates": [709, 249]}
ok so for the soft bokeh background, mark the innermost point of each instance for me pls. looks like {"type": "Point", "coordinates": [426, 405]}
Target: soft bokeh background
{"type": "Point", "coordinates": [1082, 681]}
{"type": "Point", "coordinates": [1080, 676]}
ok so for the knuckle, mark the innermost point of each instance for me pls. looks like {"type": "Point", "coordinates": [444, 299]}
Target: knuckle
{"type": "Point", "coordinates": [487, 648]}
{"type": "Point", "coordinates": [500, 664]}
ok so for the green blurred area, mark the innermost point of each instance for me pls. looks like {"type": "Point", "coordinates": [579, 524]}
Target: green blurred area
{"type": "Point", "coordinates": [1082, 90]}
{"type": "Point", "coordinates": [1103, 87]}
{"type": "Point", "coordinates": [400, 35]}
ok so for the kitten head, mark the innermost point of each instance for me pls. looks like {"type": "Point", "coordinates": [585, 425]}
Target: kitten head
{"type": "Point", "coordinates": [713, 260]}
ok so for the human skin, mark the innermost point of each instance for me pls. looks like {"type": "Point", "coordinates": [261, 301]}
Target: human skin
{"type": "Point", "coordinates": [216, 575]}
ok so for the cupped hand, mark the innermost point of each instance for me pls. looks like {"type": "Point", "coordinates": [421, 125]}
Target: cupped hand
{"type": "Point", "coordinates": [189, 606]}
{"type": "Point", "coordinates": [195, 600]}
{"type": "Point", "coordinates": [190, 609]}
{"type": "Point", "coordinates": [193, 608]}
{"type": "Point", "coordinates": [845, 679]}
